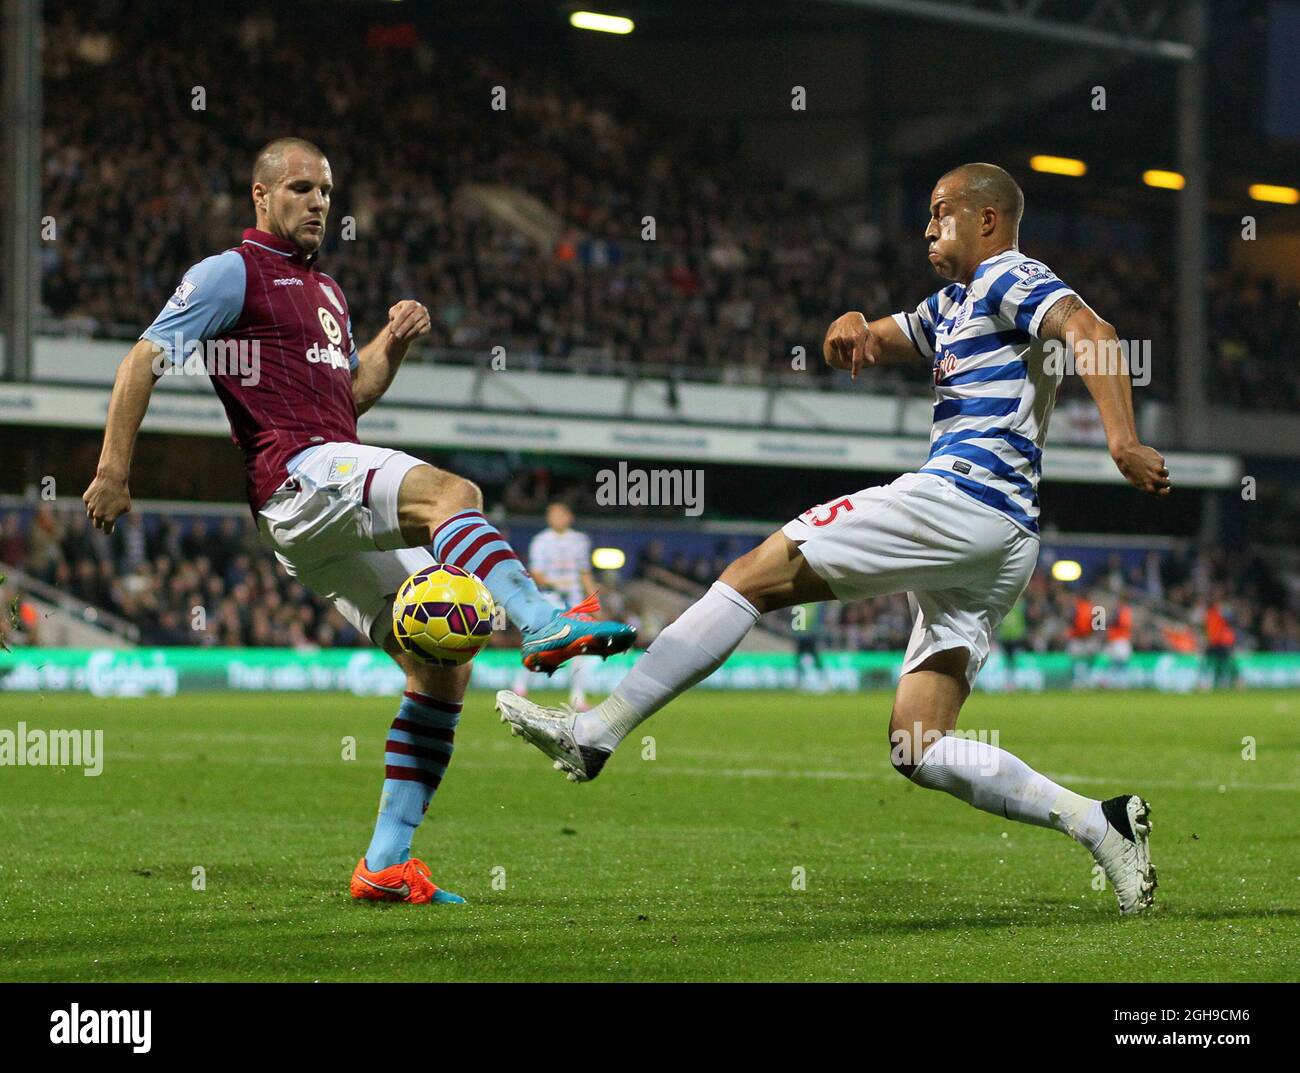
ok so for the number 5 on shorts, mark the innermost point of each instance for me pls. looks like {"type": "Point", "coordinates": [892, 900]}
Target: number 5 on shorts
{"type": "Point", "coordinates": [832, 509]}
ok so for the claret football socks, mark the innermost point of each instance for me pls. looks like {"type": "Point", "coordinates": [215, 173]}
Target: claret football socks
{"type": "Point", "coordinates": [551, 637]}
{"type": "Point", "coordinates": [470, 541]}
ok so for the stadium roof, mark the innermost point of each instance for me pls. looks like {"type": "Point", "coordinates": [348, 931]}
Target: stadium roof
{"type": "Point", "coordinates": [948, 80]}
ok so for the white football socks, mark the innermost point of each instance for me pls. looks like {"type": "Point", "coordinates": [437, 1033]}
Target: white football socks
{"type": "Point", "coordinates": [685, 653]}
{"type": "Point", "coordinates": [708, 631]}
{"type": "Point", "coordinates": [994, 780]}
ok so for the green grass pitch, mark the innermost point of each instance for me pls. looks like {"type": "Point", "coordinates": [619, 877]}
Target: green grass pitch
{"type": "Point", "coordinates": [680, 867]}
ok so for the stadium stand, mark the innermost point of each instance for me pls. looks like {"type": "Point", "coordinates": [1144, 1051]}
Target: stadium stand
{"type": "Point", "coordinates": [741, 271]}
{"type": "Point", "coordinates": [157, 568]}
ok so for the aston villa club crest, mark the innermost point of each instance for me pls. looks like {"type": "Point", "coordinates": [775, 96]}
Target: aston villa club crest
{"type": "Point", "coordinates": [341, 469]}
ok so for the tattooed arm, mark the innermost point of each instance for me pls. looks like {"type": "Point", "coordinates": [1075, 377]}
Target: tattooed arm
{"type": "Point", "coordinates": [1071, 322]}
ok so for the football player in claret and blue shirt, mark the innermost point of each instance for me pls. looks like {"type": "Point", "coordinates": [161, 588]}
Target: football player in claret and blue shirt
{"type": "Point", "coordinates": [351, 521]}
{"type": "Point", "coordinates": [959, 536]}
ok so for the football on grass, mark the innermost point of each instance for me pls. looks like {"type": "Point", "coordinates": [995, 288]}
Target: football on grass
{"type": "Point", "coordinates": [443, 615]}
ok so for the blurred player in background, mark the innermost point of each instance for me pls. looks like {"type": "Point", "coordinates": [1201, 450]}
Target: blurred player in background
{"type": "Point", "coordinates": [1220, 638]}
{"type": "Point", "coordinates": [351, 521]}
{"type": "Point", "coordinates": [960, 536]}
{"type": "Point", "coordinates": [1011, 638]}
{"type": "Point", "coordinates": [559, 558]}
{"type": "Point", "coordinates": [1119, 642]}
{"type": "Point", "coordinates": [1082, 640]}
{"type": "Point", "coordinates": [807, 646]}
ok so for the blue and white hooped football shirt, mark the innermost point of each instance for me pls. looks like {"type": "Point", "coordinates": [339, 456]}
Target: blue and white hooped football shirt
{"type": "Point", "coordinates": [993, 396]}
{"type": "Point", "coordinates": [561, 558]}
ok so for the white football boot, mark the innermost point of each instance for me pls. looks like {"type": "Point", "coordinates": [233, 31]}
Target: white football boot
{"type": "Point", "coordinates": [1125, 852]}
{"type": "Point", "coordinates": [552, 731]}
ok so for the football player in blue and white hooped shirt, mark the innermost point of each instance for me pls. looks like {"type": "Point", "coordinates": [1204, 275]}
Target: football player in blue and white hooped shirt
{"type": "Point", "coordinates": [559, 557]}
{"type": "Point", "coordinates": [960, 535]}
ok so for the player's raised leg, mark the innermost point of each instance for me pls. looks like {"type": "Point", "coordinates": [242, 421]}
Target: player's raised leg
{"type": "Point", "coordinates": [772, 576]}
{"type": "Point", "coordinates": [416, 756]}
{"type": "Point", "coordinates": [924, 749]}
{"type": "Point", "coordinates": [445, 512]}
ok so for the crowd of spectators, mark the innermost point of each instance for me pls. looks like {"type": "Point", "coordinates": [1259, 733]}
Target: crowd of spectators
{"type": "Point", "coordinates": [206, 580]}
{"type": "Point", "coordinates": [147, 145]}
{"type": "Point", "coordinates": [1167, 596]}
{"type": "Point", "coordinates": [198, 581]}
{"type": "Point", "coordinates": [1254, 328]}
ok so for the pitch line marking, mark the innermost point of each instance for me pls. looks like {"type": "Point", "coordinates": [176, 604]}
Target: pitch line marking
{"type": "Point", "coordinates": [867, 776]}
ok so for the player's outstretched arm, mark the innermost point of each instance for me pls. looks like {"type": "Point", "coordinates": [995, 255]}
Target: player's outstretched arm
{"type": "Point", "coordinates": [379, 360]}
{"type": "Point", "coordinates": [1072, 323]}
{"type": "Point", "coordinates": [108, 498]}
{"type": "Point", "coordinates": [852, 343]}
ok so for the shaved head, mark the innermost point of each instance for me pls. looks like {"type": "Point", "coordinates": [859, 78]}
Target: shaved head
{"type": "Point", "coordinates": [975, 212]}
{"type": "Point", "coordinates": [269, 166]}
{"type": "Point", "coordinates": [291, 191]}
{"type": "Point", "coordinates": [982, 185]}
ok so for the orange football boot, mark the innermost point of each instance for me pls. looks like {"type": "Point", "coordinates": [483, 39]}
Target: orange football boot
{"type": "Point", "coordinates": [405, 882]}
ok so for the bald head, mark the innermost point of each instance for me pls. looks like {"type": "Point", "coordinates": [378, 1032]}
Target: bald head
{"type": "Point", "coordinates": [269, 167]}
{"type": "Point", "coordinates": [975, 212]}
{"type": "Point", "coordinates": [988, 186]}
{"type": "Point", "coordinates": [292, 185]}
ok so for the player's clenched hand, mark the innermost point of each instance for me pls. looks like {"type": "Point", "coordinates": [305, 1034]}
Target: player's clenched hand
{"type": "Point", "coordinates": [107, 499]}
{"type": "Point", "coordinates": [1144, 468]}
{"type": "Point", "coordinates": [849, 344]}
{"type": "Point", "coordinates": [407, 321]}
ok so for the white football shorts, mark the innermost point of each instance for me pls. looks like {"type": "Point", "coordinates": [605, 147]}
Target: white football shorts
{"type": "Point", "coordinates": [333, 525]}
{"type": "Point", "coordinates": [962, 564]}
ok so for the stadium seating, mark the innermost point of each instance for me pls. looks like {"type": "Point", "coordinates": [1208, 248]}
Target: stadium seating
{"type": "Point", "coordinates": [157, 568]}
{"type": "Point", "coordinates": [741, 270]}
